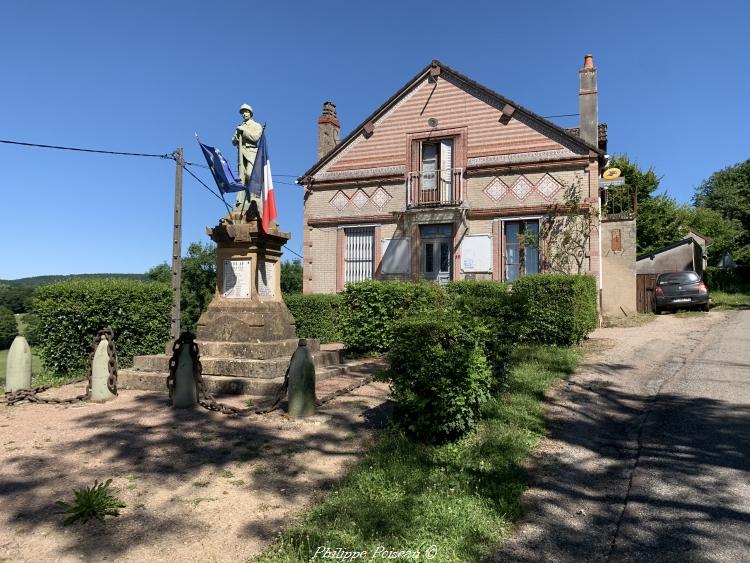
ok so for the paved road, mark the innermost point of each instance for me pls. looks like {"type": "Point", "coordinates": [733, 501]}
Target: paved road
{"type": "Point", "coordinates": [649, 452]}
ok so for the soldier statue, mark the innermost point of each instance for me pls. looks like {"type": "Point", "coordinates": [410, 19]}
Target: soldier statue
{"type": "Point", "coordinates": [246, 138]}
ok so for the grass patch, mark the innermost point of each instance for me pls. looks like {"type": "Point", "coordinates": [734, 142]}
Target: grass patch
{"type": "Point", "coordinates": [201, 484]}
{"type": "Point", "coordinates": [461, 497]}
{"type": "Point", "coordinates": [723, 300]}
{"type": "Point", "coordinates": [635, 320]}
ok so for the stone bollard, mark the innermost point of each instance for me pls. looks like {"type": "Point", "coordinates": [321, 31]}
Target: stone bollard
{"type": "Point", "coordinates": [18, 366]}
{"type": "Point", "coordinates": [301, 392]}
{"type": "Point", "coordinates": [100, 392]}
{"type": "Point", "coordinates": [185, 393]}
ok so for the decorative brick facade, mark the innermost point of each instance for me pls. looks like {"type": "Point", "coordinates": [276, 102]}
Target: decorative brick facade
{"type": "Point", "coordinates": [506, 167]}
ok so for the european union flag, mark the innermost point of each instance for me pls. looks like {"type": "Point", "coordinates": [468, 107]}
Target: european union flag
{"type": "Point", "coordinates": [222, 174]}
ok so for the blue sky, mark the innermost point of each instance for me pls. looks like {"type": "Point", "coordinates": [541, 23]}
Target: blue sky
{"type": "Point", "coordinates": [143, 76]}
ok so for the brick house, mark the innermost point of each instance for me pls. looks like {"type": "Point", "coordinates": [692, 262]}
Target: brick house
{"type": "Point", "coordinates": [448, 180]}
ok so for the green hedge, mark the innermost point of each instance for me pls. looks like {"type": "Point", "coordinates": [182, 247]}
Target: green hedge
{"type": "Point", "coordinates": [370, 308]}
{"type": "Point", "coordinates": [730, 280]}
{"type": "Point", "coordinates": [440, 376]}
{"type": "Point", "coordinates": [70, 313]}
{"type": "Point", "coordinates": [316, 316]}
{"type": "Point", "coordinates": [502, 314]}
{"type": "Point", "coordinates": [8, 327]}
{"type": "Point", "coordinates": [558, 309]}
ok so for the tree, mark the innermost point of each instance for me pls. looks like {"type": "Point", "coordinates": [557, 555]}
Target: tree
{"type": "Point", "coordinates": [17, 298]}
{"type": "Point", "coordinates": [291, 277]}
{"type": "Point", "coordinates": [661, 221]}
{"type": "Point", "coordinates": [727, 191]}
{"type": "Point", "coordinates": [198, 282]}
{"type": "Point", "coordinates": [8, 327]}
{"type": "Point", "coordinates": [724, 232]}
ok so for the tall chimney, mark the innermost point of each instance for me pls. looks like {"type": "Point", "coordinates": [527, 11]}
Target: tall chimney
{"type": "Point", "coordinates": [328, 130]}
{"type": "Point", "coordinates": [588, 102]}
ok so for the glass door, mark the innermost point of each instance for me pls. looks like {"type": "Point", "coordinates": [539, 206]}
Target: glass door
{"type": "Point", "coordinates": [521, 254]}
{"type": "Point", "coordinates": [436, 252]}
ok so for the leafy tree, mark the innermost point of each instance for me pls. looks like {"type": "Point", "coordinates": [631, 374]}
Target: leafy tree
{"type": "Point", "coordinates": [724, 232]}
{"type": "Point", "coordinates": [198, 282]}
{"type": "Point", "coordinates": [291, 277]}
{"type": "Point", "coordinates": [644, 183]}
{"type": "Point", "coordinates": [161, 273]}
{"type": "Point", "coordinates": [15, 297]}
{"type": "Point", "coordinates": [727, 191]}
{"type": "Point", "coordinates": [8, 327]}
{"type": "Point", "coordinates": [661, 221]}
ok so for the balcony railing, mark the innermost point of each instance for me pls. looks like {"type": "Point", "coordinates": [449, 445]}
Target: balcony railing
{"type": "Point", "coordinates": [435, 188]}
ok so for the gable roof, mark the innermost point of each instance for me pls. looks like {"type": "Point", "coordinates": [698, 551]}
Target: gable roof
{"type": "Point", "coordinates": [568, 134]}
{"type": "Point", "coordinates": [672, 246]}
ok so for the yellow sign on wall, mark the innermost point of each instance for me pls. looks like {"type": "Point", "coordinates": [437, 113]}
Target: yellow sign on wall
{"type": "Point", "coordinates": [611, 174]}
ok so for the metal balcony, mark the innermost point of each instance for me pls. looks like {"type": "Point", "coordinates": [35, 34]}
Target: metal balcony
{"type": "Point", "coordinates": [436, 188]}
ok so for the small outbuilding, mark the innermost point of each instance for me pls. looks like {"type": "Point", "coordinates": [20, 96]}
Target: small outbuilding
{"type": "Point", "coordinates": [686, 254]}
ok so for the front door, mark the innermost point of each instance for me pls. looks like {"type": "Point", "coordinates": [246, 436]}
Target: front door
{"type": "Point", "coordinates": [436, 252]}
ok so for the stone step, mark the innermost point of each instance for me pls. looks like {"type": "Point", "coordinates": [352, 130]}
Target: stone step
{"type": "Point", "coordinates": [253, 351]}
{"type": "Point", "coordinates": [228, 385]}
{"type": "Point", "coordinates": [238, 367]}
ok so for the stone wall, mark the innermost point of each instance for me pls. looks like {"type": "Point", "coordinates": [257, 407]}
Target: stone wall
{"type": "Point", "coordinates": [619, 282]}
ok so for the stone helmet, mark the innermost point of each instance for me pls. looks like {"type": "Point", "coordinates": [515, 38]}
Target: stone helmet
{"type": "Point", "coordinates": [246, 107]}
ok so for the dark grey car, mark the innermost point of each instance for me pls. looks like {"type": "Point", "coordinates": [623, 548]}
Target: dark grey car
{"type": "Point", "coordinates": [678, 290]}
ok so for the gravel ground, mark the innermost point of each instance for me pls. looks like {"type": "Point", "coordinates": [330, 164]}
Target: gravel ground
{"type": "Point", "coordinates": [199, 486]}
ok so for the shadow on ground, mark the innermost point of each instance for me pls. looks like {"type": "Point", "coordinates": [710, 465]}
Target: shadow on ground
{"type": "Point", "coordinates": [166, 451]}
{"type": "Point", "coordinates": [689, 452]}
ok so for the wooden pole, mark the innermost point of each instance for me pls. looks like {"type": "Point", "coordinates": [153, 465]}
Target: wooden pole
{"type": "Point", "coordinates": [177, 246]}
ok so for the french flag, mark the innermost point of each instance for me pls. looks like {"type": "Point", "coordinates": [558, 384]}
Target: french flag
{"type": "Point", "coordinates": [261, 181]}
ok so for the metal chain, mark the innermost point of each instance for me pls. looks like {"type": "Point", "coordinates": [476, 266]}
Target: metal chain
{"type": "Point", "coordinates": [207, 400]}
{"type": "Point", "coordinates": [32, 395]}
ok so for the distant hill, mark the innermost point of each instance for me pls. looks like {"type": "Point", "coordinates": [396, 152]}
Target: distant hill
{"type": "Point", "coordinates": [42, 280]}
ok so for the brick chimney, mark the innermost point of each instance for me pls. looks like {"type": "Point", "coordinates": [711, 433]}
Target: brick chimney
{"type": "Point", "coordinates": [328, 130]}
{"type": "Point", "coordinates": [588, 102]}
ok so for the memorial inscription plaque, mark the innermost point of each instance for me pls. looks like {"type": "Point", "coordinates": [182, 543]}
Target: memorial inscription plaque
{"type": "Point", "coordinates": [236, 279]}
{"type": "Point", "coordinates": [266, 281]}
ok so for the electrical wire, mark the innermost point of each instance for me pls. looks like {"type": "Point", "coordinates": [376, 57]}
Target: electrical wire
{"type": "Point", "coordinates": [561, 115]}
{"type": "Point", "coordinates": [206, 186]}
{"type": "Point", "coordinates": [293, 252]}
{"type": "Point", "coordinates": [169, 156]}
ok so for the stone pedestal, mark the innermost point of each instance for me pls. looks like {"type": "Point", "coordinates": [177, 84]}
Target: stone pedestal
{"type": "Point", "coordinates": [246, 336]}
{"type": "Point", "coordinates": [247, 305]}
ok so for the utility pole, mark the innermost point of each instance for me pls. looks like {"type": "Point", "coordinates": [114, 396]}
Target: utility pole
{"type": "Point", "coordinates": [177, 246]}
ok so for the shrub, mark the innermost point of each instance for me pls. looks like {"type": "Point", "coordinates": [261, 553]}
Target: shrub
{"type": "Point", "coordinates": [370, 308]}
{"type": "Point", "coordinates": [724, 279]}
{"type": "Point", "coordinates": [559, 309]}
{"type": "Point", "coordinates": [8, 327]}
{"type": "Point", "coordinates": [71, 312]}
{"type": "Point", "coordinates": [440, 376]}
{"type": "Point", "coordinates": [96, 501]}
{"type": "Point", "coordinates": [501, 312]}
{"type": "Point", "coordinates": [316, 316]}
{"type": "Point", "coordinates": [31, 329]}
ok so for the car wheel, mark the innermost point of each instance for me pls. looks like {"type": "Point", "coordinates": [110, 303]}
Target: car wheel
{"type": "Point", "coordinates": [657, 311]}
{"type": "Point", "coordinates": [706, 308]}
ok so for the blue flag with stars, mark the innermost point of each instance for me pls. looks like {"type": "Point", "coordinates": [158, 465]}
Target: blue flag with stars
{"type": "Point", "coordinates": [223, 175]}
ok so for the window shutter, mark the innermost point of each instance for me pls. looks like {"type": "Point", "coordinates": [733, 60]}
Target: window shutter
{"type": "Point", "coordinates": [446, 169]}
{"type": "Point", "coordinates": [360, 248]}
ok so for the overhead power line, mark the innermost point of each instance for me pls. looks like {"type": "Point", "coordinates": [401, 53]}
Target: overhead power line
{"type": "Point", "coordinates": [78, 149]}
{"type": "Point", "coordinates": [206, 186]}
